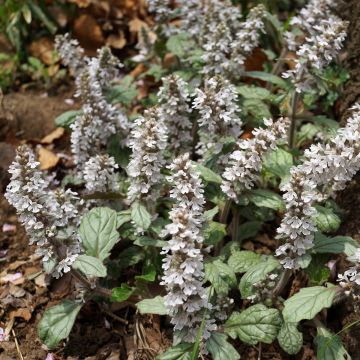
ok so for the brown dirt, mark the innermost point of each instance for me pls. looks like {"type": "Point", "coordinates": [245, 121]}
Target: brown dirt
{"type": "Point", "coordinates": [350, 10]}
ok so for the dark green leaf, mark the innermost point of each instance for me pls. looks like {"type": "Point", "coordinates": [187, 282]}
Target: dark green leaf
{"type": "Point", "coordinates": [98, 232]}
{"type": "Point", "coordinates": [242, 261]}
{"type": "Point", "coordinates": [220, 349]}
{"type": "Point", "coordinates": [90, 266]}
{"type": "Point", "coordinates": [329, 346]}
{"type": "Point", "coordinates": [121, 293]}
{"type": "Point", "coordinates": [276, 80]}
{"type": "Point", "coordinates": [326, 220]}
{"type": "Point", "coordinates": [57, 322]}
{"type": "Point", "coordinates": [266, 198]}
{"type": "Point", "coordinates": [220, 275]}
{"type": "Point", "coordinates": [152, 306]}
{"type": "Point", "coordinates": [140, 216]}
{"type": "Point", "coordinates": [334, 245]}
{"type": "Point", "coordinates": [178, 352]}
{"type": "Point", "coordinates": [308, 302]}
{"type": "Point", "coordinates": [290, 338]}
{"type": "Point", "coordinates": [67, 118]}
{"type": "Point", "coordinates": [214, 233]}
{"type": "Point", "coordinates": [255, 324]}
{"type": "Point", "coordinates": [207, 174]}
{"type": "Point", "coordinates": [255, 274]}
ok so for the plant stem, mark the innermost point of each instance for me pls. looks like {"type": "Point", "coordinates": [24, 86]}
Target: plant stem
{"type": "Point", "coordinates": [223, 220]}
{"type": "Point", "coordinates": [294, 101]}
{"type": "Point", "coordinates": [284, 278]}
{"type": "Point", "coordinates": [86, 283]}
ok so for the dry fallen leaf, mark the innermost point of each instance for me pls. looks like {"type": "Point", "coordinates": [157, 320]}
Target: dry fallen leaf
{"type": "Point", "coordinates": [56, 134]}
{"type": "Point", "coordinates": [139, 69]}
{"type": "Point", "coordinates": [47, 159]}
{"type": "Point", "coordinates": [88, 32]}
{"type": "Point", "coordinates": [81, 3]}
{"type": "Point", "coordinates": [13, 278]}
{"type": "Point", "coordinates": [116, 41]}
{"type": "Point", "coordinates": [20, 313]}
{"type": "Point", "coordinates": [43, 49]}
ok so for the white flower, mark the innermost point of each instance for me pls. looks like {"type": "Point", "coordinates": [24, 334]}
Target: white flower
{"type": "Point", "coordinates": [218, 113]}
{"type": "Point", "coordinates": [72, 55]}
{"type": "Point", "coordinates": [175, 111]}
{"type": "Point", "coordinates": [148, 142]}
{"type": "Point", "coordinates": [245, 162]}
{"type": "Point", "coordinates": [186, 299]}
{"type": "Point", "coordinates": [325, 170]}
{"type": "Point", "coordinates": [42, 211]}
{"type": "Point", "coordinates": [99, 174]}
{"type": "Point", "coordinates": [100, 119]}
{"type": "Point", "coordinates": [323, 33]}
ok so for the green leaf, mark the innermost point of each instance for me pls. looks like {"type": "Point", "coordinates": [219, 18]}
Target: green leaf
{"type": "Point", "coordinates": [49, 265]}
{"type": "Point", "coordinates": [178, 44]}
{"type": "Point", "coordinates": [122, 218]}
{"type": "Point", "coordinates": [248, 229]}
{"type": "Point", "coordinates": [242, 261]}
{"type": "Point", "coordinates": [334, 245]}
{"type": "Point", "coordinates": [214, 233]}
{"type": "Point", "coordinates": [276, 80]}
{"type": "Point", "coordinates": [123, 94]}
{"type": "Point", "coordinates": [67, 118]}
{"type": "Point", "coordinates": [220, 349]}
{"type": "Point", "coordinates": [26, 13]}
{"type": "Point", "coordinates": [152, 306]}
{"type": "Point", "coordinates": [149, 273]}
{"type": "Point", "coordinates": [121, 293]}
{"type": "Point", "coordinates": [140, 216]}
{"type": "Point", "coordinates": [255, 324]}
{"type": "Point", "coordinates": [90, 266]}
{"type": "Point", "coordinates": [255, 274]}
{"type": "Point", "coordinates": [278, 162]}
{"type": "Point", "coordinates": [178, 352]}
{"type": "Point", "coordinates": [308, 302]}
{"type": "Point", "coordinates": [290, 338]}
{"type": "Point", "coordinates": [257, 108]}
{"type": "Point", "coordinates": [98, 232]}
{"type": "Point", "coordinates": [266, 198]}
{"type": "Point", "coordinates": [326, 220]}
{"type": "Point", "coordinates": [253, 92]}
{"type": "Point", "coordinates": [148, 241]}
{"type": "Point", "coordinates": [304, 261]}
{"type": "Point", "coordinates": [207, 174]}
{"type": "Point", "coordinates": [40, 14]}
{"type": "Point", "coordinates": [317, 272]}
{"type": "Point", "coordinates": [209, 214]}
{"type": "Point", "coordinates": [130, 257]}
{"type": "Point", "coordinates": [329, 346]}
{"type": "Point", "coordinates": [57, 322]}
{"type": "Point", "coordinates": [220, 275]}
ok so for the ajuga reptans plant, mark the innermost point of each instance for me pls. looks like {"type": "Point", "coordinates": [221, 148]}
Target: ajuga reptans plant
{"type": "Point", "coordinates": [218, 207]}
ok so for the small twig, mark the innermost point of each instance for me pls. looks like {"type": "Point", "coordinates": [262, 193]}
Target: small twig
{"type": "Point", "coordinates": [114, 316]}
{"type": "Point", "coordinates": [17, 345]}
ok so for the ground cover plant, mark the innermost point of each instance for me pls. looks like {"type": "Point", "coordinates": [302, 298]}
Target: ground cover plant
{"type": "Point", "coordinates": [167, 193]}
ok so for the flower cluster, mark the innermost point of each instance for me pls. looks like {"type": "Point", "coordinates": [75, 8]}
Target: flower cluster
{"type": "Point", "coordinates": [245, 162]}
{"type": "Point", "coordinates": [99, 174]}
{"type": "Point", "coordinates": [72, 55]}
{"type": "Point", "coordinates": [186, 299]}
{"type": "Point", "coordinates": [43, 212]}
{"type": "Point", "coordinates": [175, 110]}
{"type": "Point", "coordinates": [324, 34]}
{"type": "Point", "coordinates": [163, 14]}
{"type": "Point", "coordinates": [148, 142]}
{"type": "Point", "coordinates": [247, 37]}
{"type": "Point", "coordinates": [226, 40]}
{"type": "Point", "coordinates": [218, 113]}
{"type": "Point", "coordinates": [350, 279]}
{"type": "Point", "coordinates": [191, 12]}
{"type": "Point", "coordinates": [99, 120]}
{"type": "Point", "coordinates": [326, 169]}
